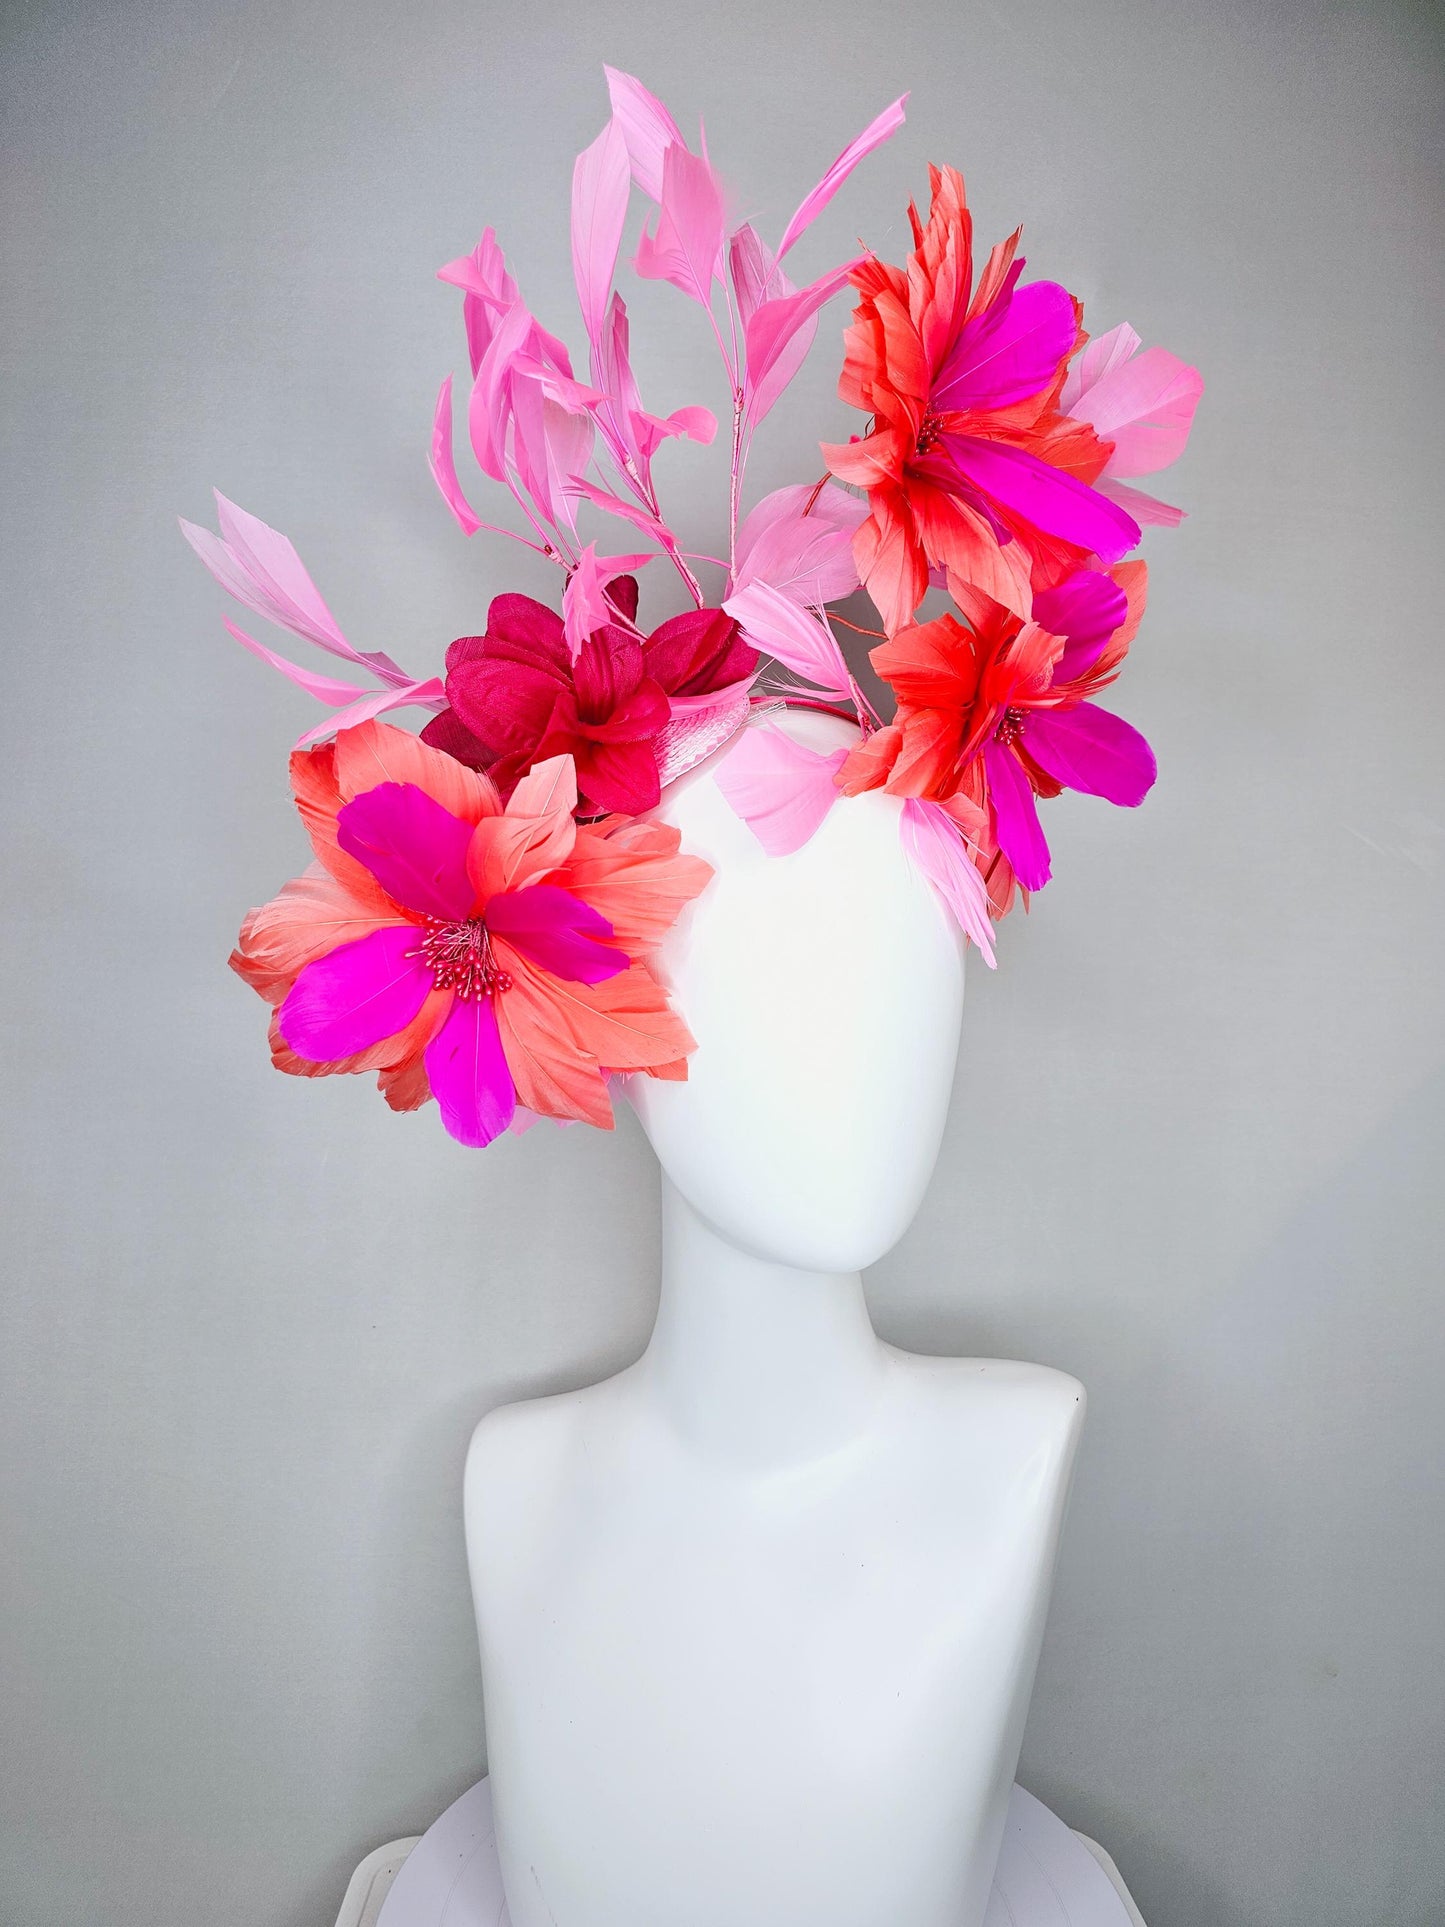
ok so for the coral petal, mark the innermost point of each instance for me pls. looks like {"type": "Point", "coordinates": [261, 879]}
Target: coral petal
{"type": "Point", "coordinates": [377, 752]}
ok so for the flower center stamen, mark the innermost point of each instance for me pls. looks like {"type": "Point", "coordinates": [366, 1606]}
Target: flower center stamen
{"type": "Point", "coordinates": [929, 435]}
{"type": "Point", "coordinates": [459, 957]}
{"type": "Point", "coordinates": [1008, 730]}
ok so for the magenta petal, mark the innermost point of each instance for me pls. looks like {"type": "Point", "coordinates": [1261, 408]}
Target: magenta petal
{"type": "Point", "coordinates": [557, 931]}
{"type": "Point", "coordinates": [1016, 817]}
{"type": "Point", "coordinates": [355, 996]}
{"type": "Point", "coordinates": [468, 1073]}
{"type": "Point", "coordinates": [1092, 750]}
{"type": "Point", "coordinates": [416, 849]}
{"type": "Point", "coordinates": [1010, 351]}
{"type": "Point", "coordinates": [1086, 609]}
{"type": "Point", "coordinates": [1050, 498]}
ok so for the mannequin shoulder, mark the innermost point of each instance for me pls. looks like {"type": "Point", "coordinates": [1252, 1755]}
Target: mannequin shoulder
{"type": "Point", "coordinates": [1031, 1406]}
{"type": "Point", "coordinates": [519, 1450]}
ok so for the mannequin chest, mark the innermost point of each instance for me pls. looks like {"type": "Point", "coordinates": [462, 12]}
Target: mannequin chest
{"type": "Point", "coordinates": [836, 1646]}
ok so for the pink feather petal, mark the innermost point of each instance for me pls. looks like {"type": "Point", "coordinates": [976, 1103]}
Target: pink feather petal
{"type": "Point", "coordinates": [1146, 409]}
{"type": "Point", "coordinates": [273, 564]}
{"type": "Point", "coordinates": [775, 323]}
{"type": "Point", "coordinates": [697, 423]}
{"type": "Point", "coordinates": [687, 245]}
{"type": "Point", "coordinates": [600, 184]}
{"type": "Point", "coordinates": [1094, 751]}
{"type": "Point", "coordinates": [1143, 403]}
{"type": "Point", "coordinates": [585, 604]}
{"type": "Point", "coordinates": [648, 130]}
{"type": "Point", "coordinates": [781, 789]}
{"type": "Point", "coordinates": [781, 373]}
{"type": "Point", "coordinates": [259, 595]}
{"type": "Point", "coordinates": [489, 409]}
{"type": "Point", "coordinates": [799, 541]}
{"type": "Point", "coordinates": [874, 134]}
{"type": "Point", "coordinates": [467, 1069]}
{"type": "Point", "coordinates": [1145, 509]}
{"type": "Point", "coordinates": [1099, 357]}
{"type": "Point", "coordinates": [488, 292]}
{"type": "Point", "coordinates": [414, 847]}
{"type": "Point", "coordinates": [932, 840]}
{"type": "Point", "coordinates": [443, 463]}
{"type": "Point", "coordinates": [355, 996]}
{"type": "Point", "coordinates": [326, 689]}
{"type": "Point", "coordinates": [640, 518]}
{"type": "Point", "coordinates": [755, 275]}
{"type": "Point", "coordinates": [558, 932]}
{"type": "Point", "coordinates": [421, 695]}
{"type": "Point", "coordinates": [799, 639]}
{"type": "Point", "coordinates": [1016, 817]}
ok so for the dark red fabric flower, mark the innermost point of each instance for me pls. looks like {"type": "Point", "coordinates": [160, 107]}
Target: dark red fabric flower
{"type": "Point", "coordinates": [516, 696]}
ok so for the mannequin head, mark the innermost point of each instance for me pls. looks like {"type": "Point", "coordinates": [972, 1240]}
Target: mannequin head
{"type": "Point", "coordinates": [825, 991]}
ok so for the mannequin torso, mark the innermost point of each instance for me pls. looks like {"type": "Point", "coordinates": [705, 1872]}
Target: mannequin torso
{"type": "Point", "coordinates": [759, 1616]}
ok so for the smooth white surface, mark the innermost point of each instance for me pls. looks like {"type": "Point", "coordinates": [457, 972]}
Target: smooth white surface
{"type": "Point", "coordinates": [1047, 1876]}
{"type": "Point", "coordinates": [759, 1616]}
{"type": "Point", "coordinates": [368, 1887]}
{"type": "Point", "coordinates": [825, 990]}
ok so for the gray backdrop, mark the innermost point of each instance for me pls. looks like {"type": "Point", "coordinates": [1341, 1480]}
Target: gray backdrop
{"type": "Point", "coordinates": [1194, 1153]}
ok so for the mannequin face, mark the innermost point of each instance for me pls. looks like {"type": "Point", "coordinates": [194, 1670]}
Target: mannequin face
{"type": "Point", "coordinates": [825, 991]}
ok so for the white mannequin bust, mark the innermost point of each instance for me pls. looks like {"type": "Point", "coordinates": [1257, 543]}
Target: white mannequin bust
{"type": "Point", "coordinates": [759, 1616]}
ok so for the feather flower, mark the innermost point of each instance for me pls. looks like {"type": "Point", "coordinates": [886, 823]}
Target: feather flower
{"type": "Point", "coordinates": [996, 713]}
{"type": "Point", "coordinates": [518, 695]}
{"type": "Point", "coordinates": [970, 464]}
{"type": "Point", "coordinates": [488, 956]}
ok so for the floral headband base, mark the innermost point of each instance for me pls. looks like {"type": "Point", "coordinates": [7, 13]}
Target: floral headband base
{"type": "Point", "coordinates": [485, 899]}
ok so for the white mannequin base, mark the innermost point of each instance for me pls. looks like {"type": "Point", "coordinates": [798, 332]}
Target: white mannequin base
{"type": "Point", "coordinates": [1047, 1875]}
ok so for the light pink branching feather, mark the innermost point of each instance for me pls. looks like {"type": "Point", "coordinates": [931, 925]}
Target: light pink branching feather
{"type": "Point", "coordinates": [798, 638]}
{"type": "Point", "coordinates": [647, 129]}
{"type": "Point", "coordinates": [799, 541]}
{"type": "Point", "coordinates": [874, 134]}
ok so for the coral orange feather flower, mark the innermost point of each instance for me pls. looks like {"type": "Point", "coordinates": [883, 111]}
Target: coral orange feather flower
{"type": "Point", "coordinates": [488, 956]}
{"type": "Point", "coordinates": [995, 713]}
{"type": "Point", "coordinates": [969, 465]}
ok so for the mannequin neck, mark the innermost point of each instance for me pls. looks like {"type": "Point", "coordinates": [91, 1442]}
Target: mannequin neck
{"type": "Point", "coordinates": [754, 1362]}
